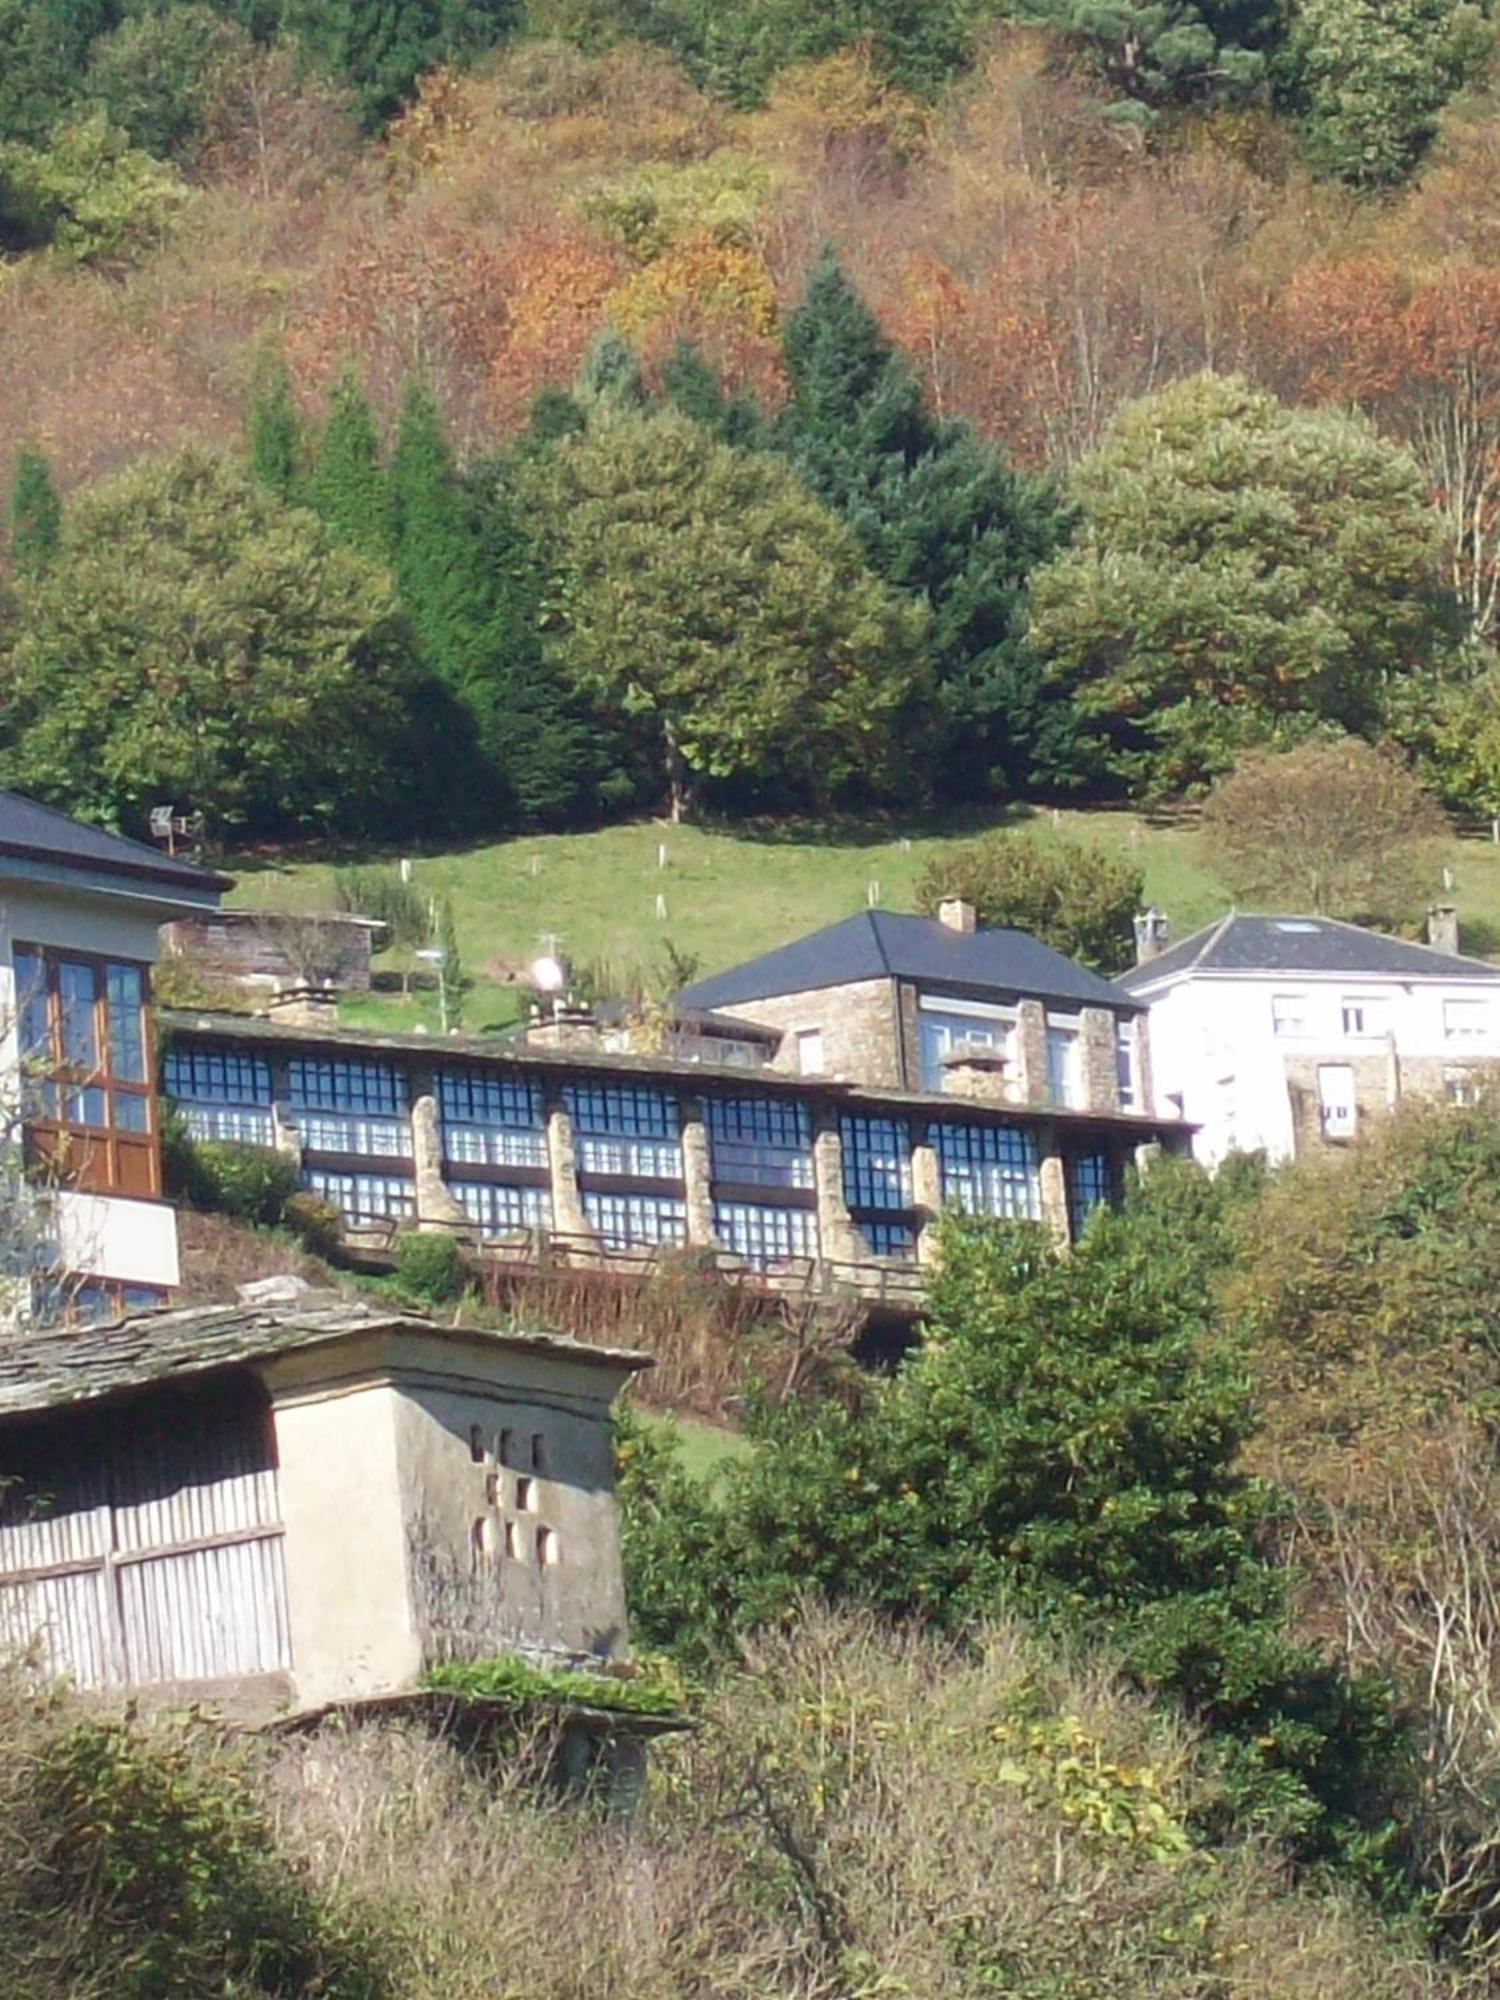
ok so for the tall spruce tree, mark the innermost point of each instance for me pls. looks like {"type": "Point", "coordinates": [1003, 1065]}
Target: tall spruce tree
{"type": "Point", "coordinates": [348, 486]}
{"type": "Point", "coordinates": [691, 386]}
{"type": "Point", "coordinates": [462, 565]}
{"type": "Point", "coordinates": [938, 513]}
{"type": "Point", "coordinates": [273, 433]}
{"type": "Point", "coordinates": [34, 516]}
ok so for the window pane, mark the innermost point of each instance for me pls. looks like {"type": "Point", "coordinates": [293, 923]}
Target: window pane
{"type": "Point", "coordinates": [989, 1169]}
{"type": "Point", "coordinates": [877, 1163]}
{"type": "Point", "coordinates": [31, 1003]}
{"type": "Point", "coordinates": [83, 1107]}
{"type": "Point", "coordinates": [130, 1112]}
{"type": "Point", "coordinates": [127, 1043]}
{"type": "Point", "coordinates": [75, 987]}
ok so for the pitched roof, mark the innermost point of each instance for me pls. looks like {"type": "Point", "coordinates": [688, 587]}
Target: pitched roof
{"type": "Point", "coordinates": [879, 944]}
{"type": "Point", "coordinates": [1239, 943]}
{"type": "Point", "coordinates": [55, 1368]}
{"type": "Point", "coordinates": [36, 832]}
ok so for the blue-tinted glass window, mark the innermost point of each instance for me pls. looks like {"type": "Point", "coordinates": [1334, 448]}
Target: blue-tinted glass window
{"type": "Point", "coordinates": [764, 1141]}
{"type": "Point", "coordinates": [989, 1169]}
{"type": "Point", "coordinates": [877, 1162]}
{"type": "Point", "coordinates": [621, 1129]}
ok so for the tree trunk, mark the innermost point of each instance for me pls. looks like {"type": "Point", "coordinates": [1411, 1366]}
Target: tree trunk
{"type": "Point", "coordinates": [677, 777]}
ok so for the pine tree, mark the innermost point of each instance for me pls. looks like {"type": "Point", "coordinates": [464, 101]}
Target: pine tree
{"type": "Point", "coordinates": [462, 565]}
{"type": "Point", "coordinates": [939, 514]}
{"type": "Point", "coordinates": [692, 387]}
{"type": "Point", "coordinates": [35, 516]}
{"type": "Point", "coordinates": [611, 373]}
{"type": "Point", "coordinates": [273, 433]}
{"type": "Point", "coordinates": [348, 487]}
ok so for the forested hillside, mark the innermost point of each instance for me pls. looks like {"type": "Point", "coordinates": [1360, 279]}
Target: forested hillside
{"type": "Point", "coordinates": [476, 416]}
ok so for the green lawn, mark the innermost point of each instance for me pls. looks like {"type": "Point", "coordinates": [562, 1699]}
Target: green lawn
{"type": "Point", "coordinates": [725, 896]}
{"type": "Point", "coordinates": [703, 1447]}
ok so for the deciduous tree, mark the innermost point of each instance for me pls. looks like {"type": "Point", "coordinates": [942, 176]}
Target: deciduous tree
{"type": "Point", "coordinates": [1071, 894]}
{"type": "Point", "coordinates": [1332, 826]}
{"type": "Point", "coordinates": [1241, 570]}
{"type": "Point", "coordinates": [702, 597]}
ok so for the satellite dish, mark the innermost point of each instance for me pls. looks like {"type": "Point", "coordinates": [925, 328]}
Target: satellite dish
{"type": "Point", "coordinates": [547, 975]}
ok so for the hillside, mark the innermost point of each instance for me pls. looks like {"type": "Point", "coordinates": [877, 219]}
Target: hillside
{"type": "Point", "coordinates": [731, 894]}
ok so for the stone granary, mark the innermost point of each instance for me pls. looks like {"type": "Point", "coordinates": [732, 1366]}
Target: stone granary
{"type": "Point", "coordinates": [282, 1506]}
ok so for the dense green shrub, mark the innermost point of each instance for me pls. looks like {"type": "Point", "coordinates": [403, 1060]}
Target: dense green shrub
{"type": "Point", "coordinates": [1069, 893]}
{"type": "Point", "coordinates": [430, 1269]}
{"type": "Point", "coordinates": [252, 1184]}
{"type": "Point", "coordinates": [316, 1224]}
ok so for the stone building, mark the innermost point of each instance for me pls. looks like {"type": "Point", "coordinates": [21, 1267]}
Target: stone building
{"type": "Point", "coordinates": [291, 1504]}
{"type": "Point", "coordinates": [942, 1005]}
{"type": "Point", "coordinates": [266, 951]}
{"type": "Point", "coordinates": [580, 1156]}
{"type": "Point", "coordinates": [1288, 1034]}
{"type": "Point", "coordinates": [79, 910]}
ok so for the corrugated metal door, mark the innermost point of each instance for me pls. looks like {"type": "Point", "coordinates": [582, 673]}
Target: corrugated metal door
{"type": "Point", "coordinates": [144, 1544]}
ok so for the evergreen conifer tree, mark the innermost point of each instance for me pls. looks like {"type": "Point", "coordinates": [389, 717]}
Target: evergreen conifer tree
{"type": "Point", "coordinates": [35, 516]}
{"type": "Point", "coordinates": [611, 373]}
{"type": "Point", "coordinates": [273, 433]}
{"type": "Point", "coordinates": [462, 566]}
{"type": "Point", "coordinates": [692, 387]}
{"type": "Point", "coordinates": [348, 487]}
{"type": "Point", "coordinates": [938, 513]}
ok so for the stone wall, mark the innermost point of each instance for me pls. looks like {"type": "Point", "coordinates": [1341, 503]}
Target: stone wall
{"type": "Point", "coordinates": [858, 1023]}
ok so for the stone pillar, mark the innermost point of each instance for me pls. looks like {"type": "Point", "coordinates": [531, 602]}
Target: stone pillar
{"type": "Point", "coordinates": [926, 1194]}
{"type": "Point", "coordinates": [437, 1208]}
{"type": "Point", "coordinates": [1054, 1186]}
{"type": "Point", "coordinates": [838, 1237]}
{"type": "Point", "coordinates": [1145, 1100]}
{"type": "Point", "coordinates": [1146, 1156]}
{"type": "Point", "coordinates": [1031, 1052]}
{"type": "Point", "coordinates": [697, 1176]}
{"type": "Point", "coordinates": [285, 1136]}
{"type": "Point", "coordinates": [1096, 1059]}
{"type": "Point", "coordinates": [568, 1217]}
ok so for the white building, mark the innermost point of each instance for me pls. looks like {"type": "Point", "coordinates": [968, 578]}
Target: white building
{"type": "Point", "coordinates": [79, 911]}
{"type": "Point", "coordinates": [1285, 1034]}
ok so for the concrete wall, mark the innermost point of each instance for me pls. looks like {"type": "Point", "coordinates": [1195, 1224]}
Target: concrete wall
{"type": "Point", "coordinates": [1215, 1054]}
{"type": "Point", "coordinates": [404, 1459]}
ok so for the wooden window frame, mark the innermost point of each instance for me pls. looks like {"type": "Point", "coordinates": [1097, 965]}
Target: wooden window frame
{"type": "Point", "coordinates": [97, 1159]}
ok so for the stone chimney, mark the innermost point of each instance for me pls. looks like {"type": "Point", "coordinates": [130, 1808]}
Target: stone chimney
{"type": "Point", "coordinates": [1150, 935]}
{"type": "Point", "coordinates": [1442, 927]}
{"type": "Point", "coordinates": [956, 915]}
{"type": "Point", "coordinates": [304, 1005]}
{"type": "Point", "coordinates": [566, 1024]}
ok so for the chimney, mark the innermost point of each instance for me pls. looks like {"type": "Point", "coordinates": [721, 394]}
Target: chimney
{"type": "Point", "coordinates": [304, 1005]}
{"type": "Point", "coordinates": [956, 915]}
{"type": "Point", "coordinates": [1442, 927]}
{"type": "Point", "coordinates": [1150, 935]}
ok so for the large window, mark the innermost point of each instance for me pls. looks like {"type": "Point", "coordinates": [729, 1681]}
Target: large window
{"type": "Point", "coordinates": [877, 1163]}
{"type": "Point", "coordinates": [498, 1209]}
{"type": "Point", "coordinates": [364, 1198]}
{"type": "Point", "coordinates": [943, 1030]}
{"type": "Point", "coordinates": [619, 1129]}
{"type": "Point", "coordinates": [491, 1121]}
{"type": "Point", "coordinates": [760, 1142]}
{"type": "Point", "coordinates": [1125, 1090]}
{"type": "Point", "coordinates": [765, 1236]}
{"type": "Point", "coordinates": [85, 1068]}
{"type": "Point", "coordinates": [636, 1221]}
{"type": "Point", "coordinates": [989, 1169]}
{"type": "Point", "coordinates": [1088, 1187]}
{"type": "Point", "coordinates": [350, 1107]}
{"type": "Point", "coordinates": [221, 1094]}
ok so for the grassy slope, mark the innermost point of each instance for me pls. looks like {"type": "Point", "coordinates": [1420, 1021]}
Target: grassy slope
{"type": "Point", "coordinates": [730, 895]}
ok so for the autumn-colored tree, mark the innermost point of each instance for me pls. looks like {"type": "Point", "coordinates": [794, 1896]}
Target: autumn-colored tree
{"type": "Point", "coordinates": [1422, 357]}
{"type": "Point", "coordinates": [1333, 826]}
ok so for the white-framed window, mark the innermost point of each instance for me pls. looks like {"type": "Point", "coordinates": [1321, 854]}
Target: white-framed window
{"type": "Point", "coordinates": [1466, 1020]}
{"type": "Point", "coordinates": [1062, 1063]}
{"type": "Point", "coordinates": [1361, 1016]}
{"type": "Point", "coordinates": [1289, 1013]}
{"type": "Point", "coordinates": [1125, 1090]}
{"type": "Point", "coordinates": [1463, 1086]}
{"type": "Point", "coordinates": [810, 1051]}
{"type": "Point", "coordinates": [1336, 1100]}
{"type": "Point", "coordinates": [944, 1026]}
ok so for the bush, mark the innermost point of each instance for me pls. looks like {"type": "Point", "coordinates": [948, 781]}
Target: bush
{"type": "Point", "coordinates": [317, 1224]}
{"type": "Point", "coordinates": [430, 1269]}
{"type": "Point", "coordinates": [1069, 893]}
{"type": "Point", "coordinates": [250, 1183]}
{"type": "Point", "coordinates": [89, 192]}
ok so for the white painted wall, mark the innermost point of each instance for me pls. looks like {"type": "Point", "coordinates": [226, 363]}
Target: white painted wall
{"type": "Point", "coordinates": [1218, 1057]}
{"type": "Point", "coordinates": [111, 1236]}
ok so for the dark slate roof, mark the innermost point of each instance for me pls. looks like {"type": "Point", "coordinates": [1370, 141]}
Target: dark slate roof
{"type": "Point", "coordinates": [40, 833]}
{"type": "Point", "coordinates": [1301, 944]}
{"type": "Point", "coordinates": [879, 944]}
{"type": "Point", "coordinates": [44, 1370]}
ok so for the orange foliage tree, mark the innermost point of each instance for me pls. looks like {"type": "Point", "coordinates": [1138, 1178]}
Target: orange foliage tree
{"type": "Point", "coordinates": [1421, 355]}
